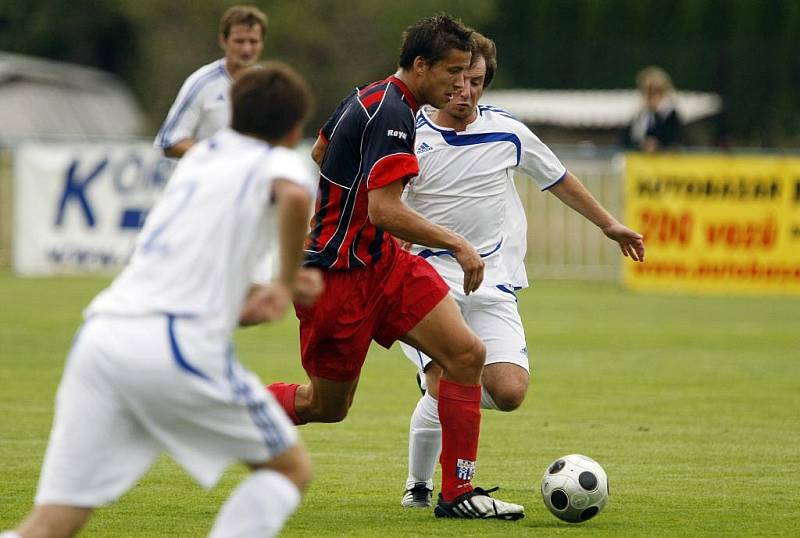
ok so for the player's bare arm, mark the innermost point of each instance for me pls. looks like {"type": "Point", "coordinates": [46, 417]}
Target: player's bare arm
{"type": "Point", "coordinates": [574, 194]}
{"type": "Point", "coordinates": [318, 150]}
{"type": "Point", "coordinates": [294, 206]}
{"type": "Point", "coordinates": [389, 213]}
{"type": "Point", "coordinates": [177, 151]}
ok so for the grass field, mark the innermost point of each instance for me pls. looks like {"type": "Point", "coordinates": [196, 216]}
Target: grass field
{"type": "Point", "coordinates": [692, 404]}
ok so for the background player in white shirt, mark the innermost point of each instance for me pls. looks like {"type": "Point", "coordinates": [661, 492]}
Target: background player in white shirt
{"type": "Point", "coordinates": [153, 369]}
{"type": "Point", "coordinates": [203, 106]}
{"type": "Point", "coordinates": [467, 157]}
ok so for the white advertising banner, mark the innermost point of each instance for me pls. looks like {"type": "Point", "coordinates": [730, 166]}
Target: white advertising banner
{"type": "Point", "coordinates": [78, 207]}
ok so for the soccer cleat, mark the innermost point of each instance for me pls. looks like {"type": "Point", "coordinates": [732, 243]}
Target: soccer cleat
{"type": "Point", "coordinates": [478, 504]}
{"type": "Point", "coordinates": [418, 496]}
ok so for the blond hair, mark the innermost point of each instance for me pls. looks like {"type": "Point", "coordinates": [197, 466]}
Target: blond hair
{"type": "Point", "coordinates": [654, 76]}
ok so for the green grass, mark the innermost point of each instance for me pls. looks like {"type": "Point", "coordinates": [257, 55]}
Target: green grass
{"type": "Point", "coordinates": [690, 403]}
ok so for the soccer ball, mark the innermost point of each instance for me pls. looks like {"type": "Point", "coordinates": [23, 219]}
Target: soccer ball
{"type": "Point", "coordinates": [575, 488]}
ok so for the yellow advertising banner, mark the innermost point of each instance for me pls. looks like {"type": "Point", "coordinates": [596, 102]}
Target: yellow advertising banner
{"type": "Point", "coordinates": [714, 223]}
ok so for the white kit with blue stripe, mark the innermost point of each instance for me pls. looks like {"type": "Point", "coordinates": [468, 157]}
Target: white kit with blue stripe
{"type": "Point", "coordinates": [211, 225]}
{"type": "Point", "coordinates": [466, 184]}
{"type": "Point", "coordinates": [152, 368]}
{"type": "Point", "coordinates": [201, 108]}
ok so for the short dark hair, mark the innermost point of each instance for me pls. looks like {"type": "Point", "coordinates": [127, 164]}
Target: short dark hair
{"type": "Point", "coordinates": [269, 100]}
{"type": "Point", "coordinates": [244, 15]}
{"type": "Point", "coordinates": [432, 38]}
{"type": "Point", "coordinates": [484, 47]}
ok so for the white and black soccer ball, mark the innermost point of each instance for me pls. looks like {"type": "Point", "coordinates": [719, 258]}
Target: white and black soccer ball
{"type": "Point", "coordinates": [575, 488]}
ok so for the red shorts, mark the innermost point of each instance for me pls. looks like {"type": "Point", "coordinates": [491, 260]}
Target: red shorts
{"type": "Point", "coordinates": [381, 302]}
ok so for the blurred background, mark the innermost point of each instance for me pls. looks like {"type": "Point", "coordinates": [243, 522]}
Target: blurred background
{"type": "Point", "coordinates": [101, 71]}
{"type": "Point", "coordinates": [742, 50]}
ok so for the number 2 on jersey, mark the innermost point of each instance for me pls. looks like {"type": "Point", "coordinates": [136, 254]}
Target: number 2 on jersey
{"type": "Point", "coordinates": [174, 203]}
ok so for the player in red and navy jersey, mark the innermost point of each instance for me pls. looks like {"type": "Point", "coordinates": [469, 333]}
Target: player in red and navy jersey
{"type": "Point", "coordinates": [374, 290]}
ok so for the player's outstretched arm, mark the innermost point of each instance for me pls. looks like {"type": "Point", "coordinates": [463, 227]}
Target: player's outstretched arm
{"type": "Point", "coordinates": [389, 213]}
{"type": "Point", "coordinates": [574, 194]}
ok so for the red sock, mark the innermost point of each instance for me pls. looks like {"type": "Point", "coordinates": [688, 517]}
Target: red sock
{"type": "Point", "coordinates": [284, 393]}
{"type": "Point", "coordinates": [460, 416]}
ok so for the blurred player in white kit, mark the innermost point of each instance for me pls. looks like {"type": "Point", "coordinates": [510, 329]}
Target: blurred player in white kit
{"type": "Point", "coordinates": [468, 154]}
{"type": "Point", "coordinates": [153, 369]}
{"type": "Point", "coordinates": [203, 106]}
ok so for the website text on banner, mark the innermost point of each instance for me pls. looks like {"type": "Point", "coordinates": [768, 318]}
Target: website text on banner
{"type": "Point", "coordinates": [79, 207]}
{"type": "Point", "coordinates": [715, 223]}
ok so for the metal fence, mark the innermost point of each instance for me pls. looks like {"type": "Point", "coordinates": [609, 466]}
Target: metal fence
{"type": "Point", "coordinates": [561, 243]}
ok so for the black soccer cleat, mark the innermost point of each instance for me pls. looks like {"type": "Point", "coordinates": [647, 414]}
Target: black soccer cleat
{"type": "Point", "coordinates": [478, 504]}
{"type": "Point", "coordinates": [418, 496]}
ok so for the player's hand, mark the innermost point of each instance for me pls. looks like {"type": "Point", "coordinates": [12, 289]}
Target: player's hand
{"type": "Point", "coordinates": [267, 302]}
{"type": "Point", "coordinates": [630, 242]}
{"type": "Point", "coordinates": [308, 286]}
{"type": "Point", "coordinates": [472, 264]}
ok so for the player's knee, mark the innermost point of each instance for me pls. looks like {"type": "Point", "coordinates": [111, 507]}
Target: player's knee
{"type": "Point", "coordinates": [506, 385]}
{"type": "Point", "coordinates": [463, 359]}
{"type": "Point", "coordinates": [301, 472]}
{"type": "Point", "coordinates": [330, 414]}
{"type": "Point", "coordinates": [471, 355]}
{"type": "Point", "coordinates": [294, 464]}
{"type": "Point", "coordinates": [55, 521]}
{"type": "Point", "coordinates": [509, 398]}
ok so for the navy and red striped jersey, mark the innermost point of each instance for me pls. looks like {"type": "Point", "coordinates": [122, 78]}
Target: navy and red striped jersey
{"type": "Point", "coordinates": [370, 145]}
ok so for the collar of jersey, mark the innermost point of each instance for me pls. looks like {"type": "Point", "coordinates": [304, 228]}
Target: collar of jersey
{"type": "Point", "coordinates": [406, 93]}
{"type": "Point", "coordinates": [230, 132]}
{"type": "Point", "coordinates": [224, 69]}
{"type": "Point", "coordinates": [436, 127]}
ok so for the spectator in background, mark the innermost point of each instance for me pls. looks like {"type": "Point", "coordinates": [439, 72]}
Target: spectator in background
{"type": "Point", "coordinates": [203, 104]}
{"type": "Point", "coordinates": [657, 125]}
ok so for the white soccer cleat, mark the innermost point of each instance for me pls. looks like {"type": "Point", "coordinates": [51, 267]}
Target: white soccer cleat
{"type": "Point", "coordinates": [478, 504]}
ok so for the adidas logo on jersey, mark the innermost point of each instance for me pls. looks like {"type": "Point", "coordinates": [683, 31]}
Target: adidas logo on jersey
{"type": "Point", "coordinates": [422, 148]}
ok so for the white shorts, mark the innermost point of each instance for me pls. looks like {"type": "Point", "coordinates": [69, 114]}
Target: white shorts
{"type": "Point", "coordinates": [491, 312]}
{"type": "Point", "coordinates": [135, 387]}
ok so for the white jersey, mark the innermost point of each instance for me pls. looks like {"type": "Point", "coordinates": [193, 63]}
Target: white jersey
{"type": "Point", "coordinates": [202, 107]}
{"type": "Point", "coordinates": [466, 184]}
{"type": "Point", "coordinates": [199, 247]}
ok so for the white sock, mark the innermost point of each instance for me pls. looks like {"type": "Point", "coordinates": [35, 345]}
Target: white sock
{"type": "Point", "coordinates": [258, 507]}
{"type": "Point", "coordinates": [9, 534]}
{"type": "Point", "coordinates": [424, 441]}
{"type": "Point", "coordinates": [487, 402]}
